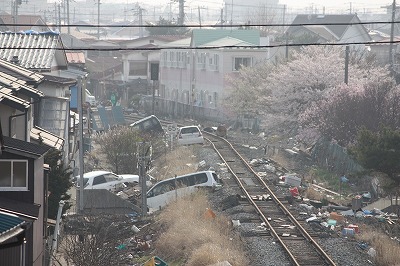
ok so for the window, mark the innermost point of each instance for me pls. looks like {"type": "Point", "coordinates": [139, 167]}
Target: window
{"type": "Point", "coordinates": [214, 62]}
{"type": "Point", "coordinates": [162, 188]}
{"type": "Point", "coordinates": [14, 175]}
{"type": "Point", "coordinates": [201, 178]}
{"type": "Point", "coordinates": [240, 62]}
{"type": "Point", "coordinates": [201, 60]}
{"type": "Point", "coordinates": [138, 68]}
{"type": "Point", "coordinates": [99, 180]}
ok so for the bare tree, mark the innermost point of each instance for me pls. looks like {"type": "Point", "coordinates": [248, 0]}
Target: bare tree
{"type": "Point", "coordinates": [119, 147]}
{"type": "Point", "coordinates": [96, 240]}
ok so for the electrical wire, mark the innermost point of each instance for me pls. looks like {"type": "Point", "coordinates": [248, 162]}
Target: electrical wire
{"type": "Point", "coordinates": [213, 47]}
{"type": "Point", "coordinates": [213, 25]}
{"type": "Point", "coordinates": [200, 47]}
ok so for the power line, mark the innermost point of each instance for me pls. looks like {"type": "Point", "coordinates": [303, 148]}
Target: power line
{"type": "Point", "coordinates": [213, 25]}
{"type": "Point", "coordinates": [203, 48]}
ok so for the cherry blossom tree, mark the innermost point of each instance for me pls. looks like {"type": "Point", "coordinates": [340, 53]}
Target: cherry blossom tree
{"type": "Point", "coordinates": [242, 95]}
{"type": "Point", "coordinates": [311, 75]}
{"type": "Point", "coordinates": [312, 72]}
{"type": "Point", "coordinates": [347, 109]}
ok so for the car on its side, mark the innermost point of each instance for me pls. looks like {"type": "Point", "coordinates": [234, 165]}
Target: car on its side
{"type": "Point", "coordinates": [106, 180]}
{"type": "Point", "coordinates": [149, 125]}
{"type": "Point", "coordinates": [189, 135]}
{"type": "Point", "coordinates": [170, 189]}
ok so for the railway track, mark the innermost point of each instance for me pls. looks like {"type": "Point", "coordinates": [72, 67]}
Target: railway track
{"type": "Point", "coordinates": [299, 245]}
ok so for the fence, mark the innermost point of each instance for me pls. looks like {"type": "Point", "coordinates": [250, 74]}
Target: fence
{"type": "Point", "coordinates": [334, 157]}
{"type": "Point", "coordinates": [165, 107]}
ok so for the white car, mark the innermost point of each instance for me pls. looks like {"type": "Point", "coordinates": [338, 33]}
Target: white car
{"type": "Point", "coordinates": [190, 135]}
{"type": "Point", "coordinates": [106, 180]}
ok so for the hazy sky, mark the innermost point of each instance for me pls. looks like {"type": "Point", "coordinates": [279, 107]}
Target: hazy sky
{"type": "Point", "coordinates": [340, 4]}
{"type": "Point", "coordinates": [331, 6]}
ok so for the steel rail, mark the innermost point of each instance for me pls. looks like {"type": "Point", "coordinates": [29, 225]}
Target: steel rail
{"type": "Point", "coordinates": [303, 231]}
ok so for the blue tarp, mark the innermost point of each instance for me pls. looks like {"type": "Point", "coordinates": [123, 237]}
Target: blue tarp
{"type": "Point", "coordinates": [109, 116]}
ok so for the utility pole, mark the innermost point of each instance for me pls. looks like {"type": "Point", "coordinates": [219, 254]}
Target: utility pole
{"type": "Point", "coordinates": [59, 17]}
{"type": "Point", "coordinates": [346, 65]}
{"type": "Point", "coordinates": [287, 46]}
{"type": "Point", "coordinates": [222, 17]}
{"type": "Point", "coordinates": [139, 12]}
{"type": "Point", "coordinates": [68, 22]}
{"type": "Point", "coordinates": [392, 36]}
{"type": "Point", "coordinates": [144, 153]}
{"type": "Point", "coordinates": [98, 19]}
{"type": "Point", "coordinates": [81, 162]}
{"type": "Point", "coordinates": [181, 17]}
{"type": "Point", "coordinates": [283, 18]}
{"type": "Point", "coordinates": [199, 16]}
{"type": "Point", "coordinates": [140, 22]}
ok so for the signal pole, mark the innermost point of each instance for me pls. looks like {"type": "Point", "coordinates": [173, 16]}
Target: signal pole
{"type": "Point", "coordinates": [392, 35]}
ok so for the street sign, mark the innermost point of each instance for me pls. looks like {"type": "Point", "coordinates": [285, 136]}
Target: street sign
{"type": "Point", "coordinates": [172, 128]}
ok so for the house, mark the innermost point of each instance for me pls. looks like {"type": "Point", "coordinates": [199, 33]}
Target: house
{"type": "Point", "coordinates": [381, 49]}
{"type": "Point", "coordinates": [42, 52]}
{"type": "Point", "coordinates": [18, 99]}
{"type": "Point", "coordinates": [193, 71]}
{"type": "Point", "coordinates": [24, 23]}
{"type": "Point", "coordinates": [22, 175]}
{"type": "Point", "coordinates": [141, 60]}
{"type": "Point", "coordinates": [313, 28]}
{"type": "Point", "coordinates": [22, 197]}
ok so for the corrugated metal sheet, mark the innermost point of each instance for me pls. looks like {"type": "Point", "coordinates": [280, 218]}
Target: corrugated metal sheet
{"type": "Point", "coordinates": [32, 50]}
{"type": "Point", "coordinates": [9, 222]}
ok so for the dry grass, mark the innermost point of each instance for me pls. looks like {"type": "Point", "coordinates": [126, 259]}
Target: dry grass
{"type": "Point", "coordinates": [387, 250]}
{"type": "Point", "coordinates": [180, 161]}
{"type": "Point", "coordinates": [188, 237]}
{"type": "Point", "coordinates": [195, 238]}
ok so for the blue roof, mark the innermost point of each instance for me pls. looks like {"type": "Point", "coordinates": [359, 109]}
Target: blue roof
{"type": "Point", "coordinates": [9, 222]}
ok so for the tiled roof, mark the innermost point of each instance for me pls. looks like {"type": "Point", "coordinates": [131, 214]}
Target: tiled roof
{"type": "Point", "coordinates": [104, 64]}
{"type": "Point", "coordinates": [46, 137]}
{"type": "Point", "coordinates": [75, 57]}
{"type": "Point", "coordinates": [31, 50]}
{"type": "Point", "coordinates": [322, 31]}
{"type": "Point", "coordinates": [60, 80]}
{"type": "Point", "coordinates": [20, 72]}
{"type": "Point", "coordinates": [24, 22]}
{"type": "Point", "coordinates": [18, 85]}
{"type": "Point", "coordinates": [7, 97]}
{"type": "Point", "coordinates": [337, 30]}
{"type": "Point", "coordinates": [24, 148]}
